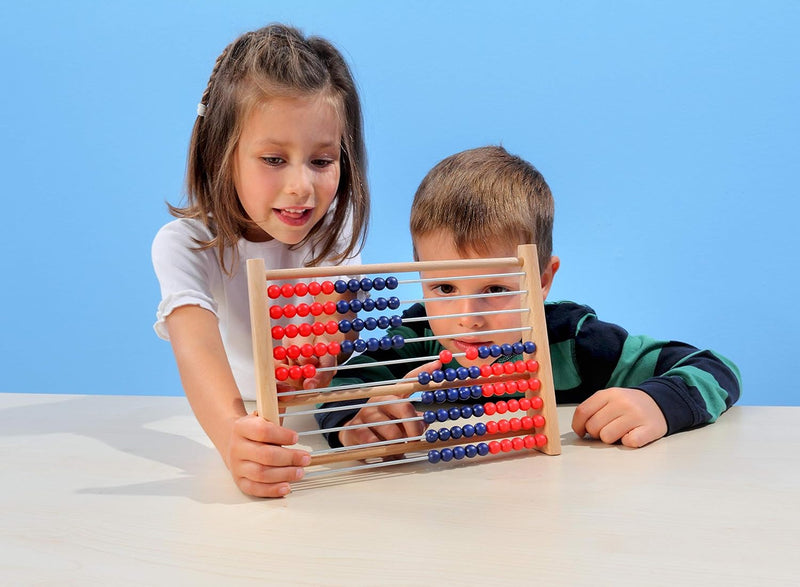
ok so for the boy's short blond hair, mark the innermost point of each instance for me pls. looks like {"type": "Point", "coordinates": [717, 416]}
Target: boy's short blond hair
{"type": "Point", "coordinates": [484, 196]}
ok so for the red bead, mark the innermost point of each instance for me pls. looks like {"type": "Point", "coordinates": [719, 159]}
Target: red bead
{"type": "Point", "coordinates": [277, 332]}
{"type": "Point", "coordinates": [486, 370]}
{"type": "Point", "coordinates": [522, 384]}
{"type": "Point", "coordinates": [508, 368]}
{"type": "Point", "coordinates": [275, 312]}
{"type": "Point", "coordinates": [497, 368]}
{"type": "Point", "coordinates": [534, 384]}
{"type": "Point", "coordinates": [520, 367]}
{"type": "Point", "coordinates": [300, 289]}
{"type": "Point", "coordinates": [289, 311]}
{"type": "Point", "coordinates": [320, 349]}
{"type": "Point", "coordinates": [538, 421]}
{"type": "Point", "coordinates": [327, 287]}
{"type": "Point", "coordinates": [331, 327]}
{"type": "Point", "coordinates": [287, 290]}
{"type": "Point", "coordinates": [293, 351]}
{"type": "Point", "coordinates": [295, 371]}
{"type": "Point", "coordinates": [491, 427]}
{"type": "Point", "coordinates": [316, 309]}
{"type": "Point", "coordinates": [303, 309]}
{"type": "Point", "coordinates": [505, 445]}
{"type": "Point", "coordinates": [489, 408]}
{"type": "Point", "coordinates": [314, 288]}
{"type": "Point", "coordinates": [494, 447]}
{"type": "Point", "coordinates": [334, 348]}
{"type": "Point", "coordinates": [529, 441]}
{"type": "Point", "coordinates": [291, 330]}
{"type": "Point", "coordinates": [513, 405]}
{"type": "Point", "coordinates": [307, 350]}
{"type": "Point", "coordinates": [540, 439]}
{"type": "Point", "coordinates": [503, 425]}
{"type": "Point", "coordinates": [488, 389]}
{"type": "Point", "coordinates": [329, 308]}
{"type": "Point", "coordinates": [532, 366]}
{"type": "Point", "coordinates": [536, 403]}
{"type": "Point", "coordinates": [281, 373]}
{"type": "Point", "coordinates": [527, 423]}
{"type": "Point", "coordinates": [445, 357]}
{"type": "Point", "coordinates": [472, 353]}
{"type": "Point", "coordinates": [279, 353]}
{"type": "Point", "coordinates": [318, 328]}
{"type": "Point", "coordinates": [274, 292]}
{"type": "Point", "coordinates": [500, 388]}
{"type": "Point", "coordinates": [511, 386]}
{"type": "Point", "coordinates": [525, 404]}
{"type": "Point", "coordinates": [309, 371]}
{"type": "Point", "coordinates": [502, 407]}
{"type": "Point", "coordinates": [305, 329]}
{"type": "Point", "coordinates": [517, 443]}
{"type": "Point", "coordinates": [515, 424]}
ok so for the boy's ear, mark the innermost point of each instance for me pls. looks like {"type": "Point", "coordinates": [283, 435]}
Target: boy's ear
{"type": "Point", "coordinates": [549, 274]}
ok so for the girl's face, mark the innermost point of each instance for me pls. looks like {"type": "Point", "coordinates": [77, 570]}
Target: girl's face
{"type": "Point", "coordinates": [286, 166]}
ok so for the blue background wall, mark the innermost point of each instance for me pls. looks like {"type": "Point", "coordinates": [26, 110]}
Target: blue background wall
{"type": "Point", "coordinates": [667, 130]}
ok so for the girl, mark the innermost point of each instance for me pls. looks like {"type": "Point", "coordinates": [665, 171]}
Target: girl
{"type": "Point", "coordinates": [277, 170]}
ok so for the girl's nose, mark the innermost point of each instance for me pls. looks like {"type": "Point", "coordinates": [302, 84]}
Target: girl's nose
{"type": "Point", "coordinates": [299, 181]}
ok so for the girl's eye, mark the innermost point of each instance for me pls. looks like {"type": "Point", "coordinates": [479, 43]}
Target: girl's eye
{"type": "Point", "coordinates": [322, 162]}
{"type": "Point", "coordinates": [272, 160]}
{"type": "Point", "coordinates": [445, 289]}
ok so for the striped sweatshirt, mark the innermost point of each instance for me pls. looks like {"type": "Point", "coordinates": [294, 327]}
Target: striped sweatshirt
{"type": "Point", "coordinates": [692, 387]}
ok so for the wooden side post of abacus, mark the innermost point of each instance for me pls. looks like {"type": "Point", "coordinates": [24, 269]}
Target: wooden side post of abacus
{"type": "Point", "coordinates": [266, 393]}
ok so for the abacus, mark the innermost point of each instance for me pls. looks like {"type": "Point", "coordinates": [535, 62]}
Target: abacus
{"type": "Point", "coordinates": [533, 423]}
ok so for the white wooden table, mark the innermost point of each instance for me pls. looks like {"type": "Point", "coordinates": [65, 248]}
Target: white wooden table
{"type": "Point", "coordinates": [128, 490]}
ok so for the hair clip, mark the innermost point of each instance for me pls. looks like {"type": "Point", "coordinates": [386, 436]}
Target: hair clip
{"type": "Point", "coordinates": [201, 109]}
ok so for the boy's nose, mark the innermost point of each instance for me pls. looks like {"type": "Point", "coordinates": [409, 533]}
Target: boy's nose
{"type": "Point", "coordinates": [469, 306]}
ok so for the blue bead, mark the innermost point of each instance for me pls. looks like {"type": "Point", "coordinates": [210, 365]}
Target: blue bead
{"type": "Point", "coordinates": [340, 286]}
{"type": "Point", "coordinates": [483, 449]}
{"type": "Point", "coordinates": [354, 285]}
{"type": "Point", "coordinates": [345, 326]}
{"type": "Point", "coordinates": [368, 304]}
{"type": "Point", "coordinates": [478, 410]}
{"type": "Point", "coordinates": [444, 434]}
{"type": "Point", "coordinates": [426, 397]}
{"type": "Point", "coordinates": [431, 436]}
{"type": "Point", "coordinates": [379, 283]}
{"type": "Point", "coordinates": [394, 303]}
{"type": "Point", "coordinates": [518, 347]}
{"type": "Point", "coordinates": [452, 395]}
{"type": "Point", "coordinates": [381, 304]}
{"type": "Point", "coordinates": [458, 452]}
{"type": "Point", "coordinates": [476, 391]}
{"type": "Point", "coordinates": [355, 305]}
{"type": "Point", "coordinates": [360, 345]}
{"type": "Point", "coordinates": [483, 351]}
{"type": "Point", "coordinates": [386, 343]}
{"type": "Point", "coordinates": [495, 350]}
{"type": "Point", "coordinates": [470, 451]}
{"type": "Point", "coordinates": [480, 429]}
{"type": "Point", "coordinates": [530, 347]}
{"type": "Point", "coordinates": [462, 373]}
{"type": "Point", "coordinates": [423, 378]}
{"type": "Point", "coordinates": [370, 323]}
{"type": "Point", "coordinates": [466, 411]}
{"type": "Point", "coordinates": [395, 321]}
{"type": "Point", "coordinates": [433, 456]}
{"type": "Point", "coordinates": [440, 395]}
{"type": "Point", "coordinates": [474, 372]}
{"type": "Point", "coordinates": [437, 375]}
{"type": "Point", "coordinates": [343, 306]}
{"type": "Point", "coordinates": [429, 417]}
{"type": "Point", "coordinates": [358, 324]}
{"type": "Point", "coordinates": [346, 347]}
{"type": "Point", "coordinates": [507, 349]}
{"type": "Point", "coordinates": [398, 341]}
{"type": "Point", "coordinates": [373, 344]}
{"type": "Point", "coordinates": [456, 432]}
{"type": "Point", "coordinates": [366, 284]}
{"type": "Point", "coordinates": [454, 413]}
{"type": "Point", "coordinates": [391, 282]}
{"type": "Point", "coordinates": [447, 454]}
{"type": "Point", "coordinates": [383, 321]}
{"type": "Point", "coordinates": [450, 374]}
{"type": "Point", "coordinates": [468, 430]}
{"type": "Point", "coordinates": [442, 415]}
{"type": "Point", "coordinates": [463, 393]}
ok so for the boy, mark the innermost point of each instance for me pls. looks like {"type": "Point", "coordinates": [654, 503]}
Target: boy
{"type": "Point", "coordinates": [483, 203]}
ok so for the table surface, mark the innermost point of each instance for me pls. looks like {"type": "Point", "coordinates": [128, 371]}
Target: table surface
{"type": "Point", "coordinates": [119, 490]}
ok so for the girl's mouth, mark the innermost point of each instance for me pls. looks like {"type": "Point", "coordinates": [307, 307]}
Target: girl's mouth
{"type": "Point", "coordinates": [293, 216]}
{"type": "Point", "coordinates": [463, 345]}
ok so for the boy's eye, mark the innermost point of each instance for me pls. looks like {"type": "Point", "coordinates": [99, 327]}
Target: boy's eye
{"type": "Point", "coordinates": [497, 289]}
{"type": "Point", "coordinates": [444, 289]}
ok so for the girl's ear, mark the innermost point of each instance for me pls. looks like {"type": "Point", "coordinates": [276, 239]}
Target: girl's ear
{"type": "Point", "coordinates": [548, 274]}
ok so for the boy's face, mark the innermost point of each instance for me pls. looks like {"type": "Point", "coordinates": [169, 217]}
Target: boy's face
{"type": "Point", "coordinates": [464, 322]}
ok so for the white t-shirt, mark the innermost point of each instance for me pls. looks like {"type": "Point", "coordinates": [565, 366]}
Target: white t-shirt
{"type": "Point", "coordinates": [192, 277]}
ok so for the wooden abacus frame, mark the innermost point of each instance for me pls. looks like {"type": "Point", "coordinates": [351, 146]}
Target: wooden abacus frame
{"type": "Point", "coordinates": [266, 390]}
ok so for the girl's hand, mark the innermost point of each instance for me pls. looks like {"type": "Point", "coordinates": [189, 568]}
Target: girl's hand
{"type": "Point", "coordinates": [258, 461]}
{"type": "Point", "coordinates": [619, 413]}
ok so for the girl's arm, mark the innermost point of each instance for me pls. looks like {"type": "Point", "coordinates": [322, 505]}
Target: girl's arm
{"type": "Point", "coordinates": [250, 446]}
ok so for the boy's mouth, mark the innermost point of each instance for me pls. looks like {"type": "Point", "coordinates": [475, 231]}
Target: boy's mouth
{"type": "Point", "coordinates": [293, 216]}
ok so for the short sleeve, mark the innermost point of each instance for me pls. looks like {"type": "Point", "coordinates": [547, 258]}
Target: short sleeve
{"type": "Point", "coordinates": [184, 272]}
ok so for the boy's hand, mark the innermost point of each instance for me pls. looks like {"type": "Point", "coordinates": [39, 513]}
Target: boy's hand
{"type": "Point", "coordinates": [620, 413]}
{"type": "Point", "coordinates": [260, 466]}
